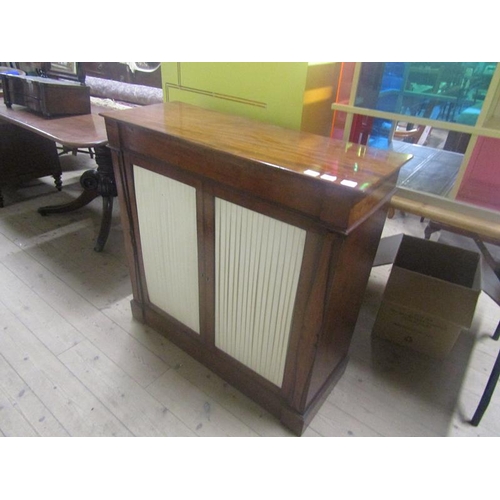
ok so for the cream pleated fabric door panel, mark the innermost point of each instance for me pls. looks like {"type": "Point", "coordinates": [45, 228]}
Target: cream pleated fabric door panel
{"type": "Point", "coordinates": [258, 262]}
{"type": "Point", "coordinates": [167, 223]}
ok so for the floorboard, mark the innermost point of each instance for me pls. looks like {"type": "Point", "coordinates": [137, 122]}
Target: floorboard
{"type": "Point", "coordinates": [73, 361]}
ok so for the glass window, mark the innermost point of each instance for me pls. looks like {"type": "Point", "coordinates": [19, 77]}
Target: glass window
{"type": "Point", "coordinates": [451, 92]}
{"type": "Point", "coordinates": [447, 91]}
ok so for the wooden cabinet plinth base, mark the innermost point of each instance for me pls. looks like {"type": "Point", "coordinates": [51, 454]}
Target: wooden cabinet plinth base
{"type": "Point", "coordinates": [246, 382]}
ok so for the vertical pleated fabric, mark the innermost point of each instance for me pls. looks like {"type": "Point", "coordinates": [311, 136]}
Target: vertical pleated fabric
{"type": "Point", "coordinates": [167, 224]}
{"type": "Point", "coordinates": [258, 262]}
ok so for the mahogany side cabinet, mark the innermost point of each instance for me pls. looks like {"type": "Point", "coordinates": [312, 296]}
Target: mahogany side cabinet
{"type": "Point", "coordinates": [250, 245]}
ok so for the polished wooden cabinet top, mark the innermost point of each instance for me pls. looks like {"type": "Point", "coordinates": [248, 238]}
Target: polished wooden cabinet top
{"type": "Point", "coordinates": [334, 184]}
{"type": "Point", "coordinates": [331, 161]}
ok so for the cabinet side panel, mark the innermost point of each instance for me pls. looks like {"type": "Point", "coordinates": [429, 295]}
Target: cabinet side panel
{"type": "Point", "coordinates": [167, 223]}
{"type": "Point", "coordinates": [258, 262]}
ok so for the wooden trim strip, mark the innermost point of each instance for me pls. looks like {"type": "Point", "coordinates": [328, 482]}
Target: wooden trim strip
{"type": "Point", "coordinates": [216, 95]}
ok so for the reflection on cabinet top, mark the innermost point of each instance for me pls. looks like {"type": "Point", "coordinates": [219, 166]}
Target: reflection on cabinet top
{"type": "Point", "coordinates": [265, 160]}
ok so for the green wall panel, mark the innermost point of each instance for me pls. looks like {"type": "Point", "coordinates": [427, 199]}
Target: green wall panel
{"type": "Point", "coordinates": [271, 92]}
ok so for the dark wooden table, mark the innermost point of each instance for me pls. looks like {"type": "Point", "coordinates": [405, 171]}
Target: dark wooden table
{"type": "Point", "coordinates": [72, 132]}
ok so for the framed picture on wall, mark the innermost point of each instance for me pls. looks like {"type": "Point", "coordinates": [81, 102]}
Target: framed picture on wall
{"type": "Point", "coordinates": [64, 70]}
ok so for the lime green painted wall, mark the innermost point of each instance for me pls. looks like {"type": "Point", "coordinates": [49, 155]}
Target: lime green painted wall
{"type": "Point", "coordinates": [271, 92]}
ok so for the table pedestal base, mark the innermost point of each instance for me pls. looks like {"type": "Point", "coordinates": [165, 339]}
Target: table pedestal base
{"type": "Point", "coordinates": [98, 182]}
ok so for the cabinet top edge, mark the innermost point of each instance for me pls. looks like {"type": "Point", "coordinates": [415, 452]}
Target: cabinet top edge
{"type": "Point", "coordinates": [344, 164]}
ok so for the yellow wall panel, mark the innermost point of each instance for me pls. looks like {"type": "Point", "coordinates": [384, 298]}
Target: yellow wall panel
{"type": "Point", "coordinates": [271, 92]}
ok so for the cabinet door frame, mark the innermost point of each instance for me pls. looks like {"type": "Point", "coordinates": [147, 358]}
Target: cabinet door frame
{"type": "Point", "coordinates": [308, 310]}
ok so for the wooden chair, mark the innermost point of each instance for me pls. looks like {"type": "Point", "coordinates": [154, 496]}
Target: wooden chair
{"type": "Point", "coordinates": [416, 134]}
{"type": "Point", "coordinates": [65, 150]}
{"type": "Point", "coordinates": [411, 134]}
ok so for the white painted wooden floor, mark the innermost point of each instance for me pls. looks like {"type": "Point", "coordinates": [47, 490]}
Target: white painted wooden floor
{"type": "Point", "coordinates": [73, 362]}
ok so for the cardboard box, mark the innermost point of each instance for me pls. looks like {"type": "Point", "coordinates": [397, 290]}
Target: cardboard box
{"type": "Point", "coordinates": [430, 296]}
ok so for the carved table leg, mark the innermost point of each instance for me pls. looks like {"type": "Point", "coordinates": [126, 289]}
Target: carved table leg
{"type": "Point", "coordinates": [98, 182]}
{"type": "Point", "coordinates": [58, 181]}
{"type": "Point", "coordinates": [107, 212]}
